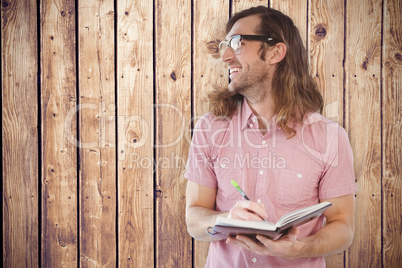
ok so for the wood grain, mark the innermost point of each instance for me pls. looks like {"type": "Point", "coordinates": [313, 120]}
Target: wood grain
{"type": "Point", "coordinates": [209, 72]}
{"type": "Point", "coordinates": [97, 134]}
{"type": "Point", "coordinates": [172, 112]}
{"type": "Point", "coordinates": [239, 5]}
{"type": "Point", "coordinates": [59, 134]}
{"type": "Point", "coordinates": [135, 133]}
{"type": "Point", "coordinates": [363, 124]}
{"type": "Point", "coordinates": [19, 89]}
{"type": "Point", "coordinates": [326, 37]}
{"type": "Point", "coordinates": [354, 45]}
{"type": "Point", "coordinates": [297, 11]}
{"type": "Point", "coordinates": [391, 139]}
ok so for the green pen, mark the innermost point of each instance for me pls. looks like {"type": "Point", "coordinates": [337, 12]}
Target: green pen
{"type": "Point", "coordinates": [234, 183]}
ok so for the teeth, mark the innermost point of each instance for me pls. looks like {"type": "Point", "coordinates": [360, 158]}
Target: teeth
{"type": "Point", "coordinates": [234, 70]}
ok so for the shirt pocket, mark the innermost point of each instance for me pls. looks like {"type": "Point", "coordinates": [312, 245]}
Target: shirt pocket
{"type": "Point", "coordinates": [296, 189]}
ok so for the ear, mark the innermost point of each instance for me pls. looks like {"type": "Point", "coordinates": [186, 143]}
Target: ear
{"type": "Point", "coordinates": [277, 53]}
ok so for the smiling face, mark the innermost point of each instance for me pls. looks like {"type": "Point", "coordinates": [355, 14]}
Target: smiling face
{"type": "Point", "coordinates": [249, 74]}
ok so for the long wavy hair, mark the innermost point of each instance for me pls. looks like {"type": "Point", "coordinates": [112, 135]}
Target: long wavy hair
{"type": "Point", "coordinates": [294, 91]}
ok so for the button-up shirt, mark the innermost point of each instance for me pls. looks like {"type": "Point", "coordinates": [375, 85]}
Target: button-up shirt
{"type": "Point", "coordinates": [286, 174]}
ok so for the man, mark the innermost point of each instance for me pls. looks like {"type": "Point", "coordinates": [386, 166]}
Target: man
{"type": "Point", "coordinates": [264, 133]}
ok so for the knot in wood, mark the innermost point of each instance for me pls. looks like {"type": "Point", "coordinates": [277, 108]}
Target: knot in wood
{"type": "Point", "coordinates": [398, 56]}
{"type": "Point", "coordinates": [158, 193]}
{"type": "Point", "coordinates": [320, 32]}
{"type": "Point", "coordinates": [63, 13]}
{"type": "Point", "coordinates": [213, 48]}
{"type": "Point", "coordinates": [4, 4]}
{"type": "Point", "coordinates": [173, 76]}
{"type": "Point", "coordinates": [365, 63]}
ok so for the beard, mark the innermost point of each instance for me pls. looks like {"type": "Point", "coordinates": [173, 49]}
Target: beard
{"type": "Point", "coordinates": [251, 82]}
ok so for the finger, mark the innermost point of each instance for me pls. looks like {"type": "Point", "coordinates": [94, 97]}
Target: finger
{"type": "Point", "coordinates": [261, 204]}
{"type": "Point", "coordinates": [252, 244]}
{"type": "Point", "coordinates": [245, 215]}
{"type": "Point", "coordinates": [265, 241]}
{"type": "Point", "coordinates": [246, 210]}
{"type": "Point", "coordinates": [291, 235]}
{"type": "Point", "coordinates": [254, 208]}
{"type": "Point", "coordinates": [235, 241]}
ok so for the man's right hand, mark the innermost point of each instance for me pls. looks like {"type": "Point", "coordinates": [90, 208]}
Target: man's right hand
{"type": "Point", "coordinates": [248, 211]}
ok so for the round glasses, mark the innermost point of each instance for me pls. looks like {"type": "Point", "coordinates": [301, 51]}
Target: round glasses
{"type": "Point", "coordinates": [235, 42]}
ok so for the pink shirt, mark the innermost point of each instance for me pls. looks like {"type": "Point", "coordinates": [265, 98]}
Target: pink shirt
{"type": "Point", "coordinates": [286, 174]}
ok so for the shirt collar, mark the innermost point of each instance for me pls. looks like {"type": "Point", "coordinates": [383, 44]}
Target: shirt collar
{"type": "Point", "coordinates": [248, 116]}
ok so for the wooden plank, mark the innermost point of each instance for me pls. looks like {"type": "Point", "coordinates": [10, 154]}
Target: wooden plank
{"type": "Point", "coordinates": [19, 89]}
{"type": "Point", "coordinates": [297, 11]}
{"type": "Point", "coordinates": [172, 113]}
{"type": "Point", "coordinates": [135, 133]}
{"type": "Point", "coordinates": [326, 48]}
{"type": "Point", "coordinates": [209, 72]}
{"type": "Point", "coordinates": [239, 5]}
{"type": "Point", "coordinates": [363, 123]}
{"type": "Point", "coordinates": [97, 134]}
{"type": "Point", "coordinates": [391, 139]}
{"type": "Point", "coordinates": [59, 138]}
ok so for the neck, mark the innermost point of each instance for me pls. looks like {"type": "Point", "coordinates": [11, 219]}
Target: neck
{"type": "Point", "coordinates": [264, 110]}
{"type": "Point", "coordinates": [262, 103]}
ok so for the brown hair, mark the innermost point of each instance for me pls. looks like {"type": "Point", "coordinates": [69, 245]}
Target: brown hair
{"type": "Point", "coordinates": [293, 89]}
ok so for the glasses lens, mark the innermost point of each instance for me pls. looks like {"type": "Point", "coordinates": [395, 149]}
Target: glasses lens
{"type": "Point", "coordinates": [235, 43]}
{"type": "Point", "coordinates": [223, 46]}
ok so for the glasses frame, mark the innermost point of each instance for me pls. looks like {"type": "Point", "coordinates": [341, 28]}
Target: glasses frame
{"type": "Point", "coordinates": [262, 38]}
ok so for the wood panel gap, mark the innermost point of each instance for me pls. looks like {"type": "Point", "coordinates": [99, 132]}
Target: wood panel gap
{"type": "Point", "coordinates": [154, 178]}
{"type": "Point", "coordinates": [39, 129]}
{"type": "Point", "coordinates": [344, 87]}
{"type": "Point", "coordinates": [344, 90]}
{"type": "Point", "coordinates": [192, 109]}
{"type": "Point", "coordinates": [116, 129]}
{"type": "Point", "coordinates": [77, 94]}
{"type": "Point", "coordinates": [307, 31]}
{"type": "Point", "coordinates": [381, 134]}
{"type": "Point", "coordinates": [344, 63]}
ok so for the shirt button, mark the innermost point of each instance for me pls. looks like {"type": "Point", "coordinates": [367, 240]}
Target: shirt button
{"type": "Point", "coordinates": [263, 142]}
{"type": "Point", "coordinates": [254, 120]}
{"type": "Point", "coordinates": [223, 165]}
{"type": "Point", "coordinates": [261, 172]}
{"type": "Point", "coordinates": [251, 125]}
{"type": "Point", "coordinates": [254, 260]}
{"type": "Point", "coordinates": [299, 175]}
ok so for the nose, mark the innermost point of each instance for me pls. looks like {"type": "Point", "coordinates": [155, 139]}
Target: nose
{"type": "Point", "coordinates": [227, 55]}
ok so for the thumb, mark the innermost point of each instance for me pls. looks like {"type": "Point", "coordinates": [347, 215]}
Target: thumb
{"type": "Point", "coordinates": [292, 234]}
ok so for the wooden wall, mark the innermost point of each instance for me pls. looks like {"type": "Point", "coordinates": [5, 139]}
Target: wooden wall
{"type": "Point", "coordinates": [98, 100]}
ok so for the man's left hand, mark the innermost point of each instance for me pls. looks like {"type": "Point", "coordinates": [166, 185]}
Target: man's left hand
{"type": "Point", "coordinates": [286, 247]}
